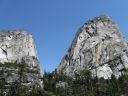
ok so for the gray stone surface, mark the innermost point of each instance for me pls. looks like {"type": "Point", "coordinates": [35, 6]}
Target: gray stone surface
{"type": "Point", "coordinates": [17, 46]}
{"type": "Point", "coordinates": [99, 47]}
{"type": "Point", "coordinates": [62, 84]}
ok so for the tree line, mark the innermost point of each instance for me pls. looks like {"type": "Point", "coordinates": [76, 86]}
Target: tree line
{"type": "Point", "coordinates": [83, 84]}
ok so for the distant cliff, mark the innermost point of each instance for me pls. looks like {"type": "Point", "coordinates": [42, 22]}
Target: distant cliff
{"type": "Point", "coordinates": [98, 47]}
{"type": "Point", "coordinates": [18, 59]}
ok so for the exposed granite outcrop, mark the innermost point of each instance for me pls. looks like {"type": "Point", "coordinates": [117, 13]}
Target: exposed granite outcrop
{"type": "Point", "coordinates": [99, 47]}
{"type": "Point", "coordinates": [18, 53]}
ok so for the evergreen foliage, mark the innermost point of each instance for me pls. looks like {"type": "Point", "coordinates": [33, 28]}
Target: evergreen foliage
{"type": "Point", "coordinates": [82, 84]}
{"type": "Point", "coordinates": [86, 85]}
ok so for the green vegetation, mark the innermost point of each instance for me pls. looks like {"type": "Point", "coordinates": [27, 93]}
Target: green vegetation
{"type": "Point", "coordinates": [86, 85]}
{"type": "Point", "coordinates": [83, 84]}
{"type": "Point", "coordinates": [17, 88]}
{"type": "Point", "coordinates": [39, 92]}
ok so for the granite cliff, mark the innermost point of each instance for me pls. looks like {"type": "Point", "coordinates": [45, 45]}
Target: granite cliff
{"type": "Point", "coordinates": [18, 57]}
{"type": "Point", "coordinates": [98, 47]}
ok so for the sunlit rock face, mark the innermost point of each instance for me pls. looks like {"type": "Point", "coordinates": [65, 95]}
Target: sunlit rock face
{"type": "Point", "coordinates": [14, 45]}
{"type": "Point", "coordinates": [17, 46]}
{"type": "Point", "coordinates": [98, 47]}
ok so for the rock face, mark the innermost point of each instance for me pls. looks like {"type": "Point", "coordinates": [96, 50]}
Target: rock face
{"type": "Point", "coordinates": [98, 47]}
{"type": "Point", "coordinates": [18, 53]}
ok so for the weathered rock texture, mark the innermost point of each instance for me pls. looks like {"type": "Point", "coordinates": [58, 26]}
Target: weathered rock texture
{"type": "Point", "coordinates": [99, 47]}
{"type": "Point", "coordinates": [18, 53]}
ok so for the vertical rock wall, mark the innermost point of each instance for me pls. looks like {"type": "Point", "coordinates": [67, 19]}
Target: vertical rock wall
{"type": "Point", "coordinates": [98, 47]}
{"type": "Point", "coordinates": [17, 48]}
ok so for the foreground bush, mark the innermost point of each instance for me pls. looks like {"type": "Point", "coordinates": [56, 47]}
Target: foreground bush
{"type": "Point", "coordinates": [39, 92]}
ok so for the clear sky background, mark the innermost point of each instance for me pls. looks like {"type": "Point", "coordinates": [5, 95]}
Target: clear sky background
{"type": "Point", "coordinates": [54, 23]}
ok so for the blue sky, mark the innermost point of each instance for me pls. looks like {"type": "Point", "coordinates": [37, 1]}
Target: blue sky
{"type": "Point", "coordinates": [54, 23]}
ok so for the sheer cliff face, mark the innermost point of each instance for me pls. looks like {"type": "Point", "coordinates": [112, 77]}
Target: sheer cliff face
{"type": "Point", "coordinates": [99, 47]}
{"type": "Point", "coordinates": [17, 47]}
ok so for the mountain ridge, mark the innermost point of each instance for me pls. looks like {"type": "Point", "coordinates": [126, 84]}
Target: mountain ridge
{"type": "Point", "coordinates": [97, 36]}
